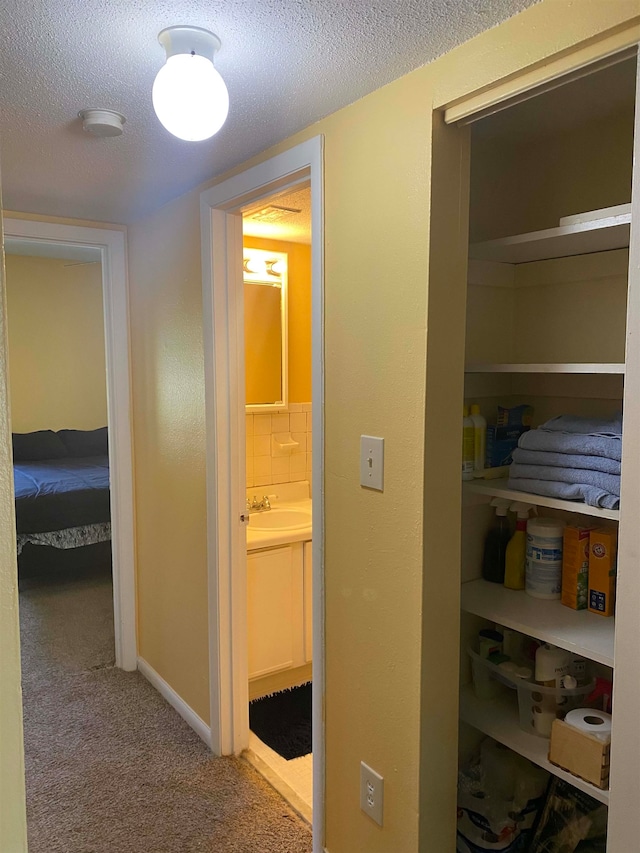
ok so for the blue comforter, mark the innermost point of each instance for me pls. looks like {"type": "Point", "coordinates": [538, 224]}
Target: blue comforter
{"type": "Point", "coordinates": [59, 493]}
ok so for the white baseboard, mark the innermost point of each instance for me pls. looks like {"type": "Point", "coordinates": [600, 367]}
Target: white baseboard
{"type": "Point", "coordinates": [187, 713]}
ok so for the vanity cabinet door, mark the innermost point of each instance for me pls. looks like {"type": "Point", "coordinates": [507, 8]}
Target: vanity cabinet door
{"type": "Point", "coordinates": [308, 603]}
{"type": "Point", "coordinates": [274, 609]}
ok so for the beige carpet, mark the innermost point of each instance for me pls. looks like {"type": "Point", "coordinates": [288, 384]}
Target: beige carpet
{"type": "Point", "coordinates": [111, 768]}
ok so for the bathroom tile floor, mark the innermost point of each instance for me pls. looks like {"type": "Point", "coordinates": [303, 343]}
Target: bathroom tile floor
{"type": "Point", "coordinates": [297, 774]}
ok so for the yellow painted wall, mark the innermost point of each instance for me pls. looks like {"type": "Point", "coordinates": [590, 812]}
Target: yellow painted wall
{"type": "Point", "coordinates": [299, 312]}
{"type": "Point", "coordinates": [169, 438]}
{"type": "Point", "coordinates": [56, 344]}
{"type": "Point", "coordinates": [385, 589]}
{"type": "Point", "coordinates": [13, 819]}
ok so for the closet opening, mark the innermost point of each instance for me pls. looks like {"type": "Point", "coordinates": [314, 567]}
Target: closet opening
{"type": "Point", "coordinates": [277, 355]}
{"type": "Point", "coordinates": [548, 296]}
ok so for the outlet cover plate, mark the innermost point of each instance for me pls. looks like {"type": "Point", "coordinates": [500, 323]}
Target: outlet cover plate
{"type": "Point", "coordinates": [371, 793]}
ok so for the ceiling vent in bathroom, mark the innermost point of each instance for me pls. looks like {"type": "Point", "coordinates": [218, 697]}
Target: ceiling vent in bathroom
{"type": "Point", "coordinates": [272, 213]}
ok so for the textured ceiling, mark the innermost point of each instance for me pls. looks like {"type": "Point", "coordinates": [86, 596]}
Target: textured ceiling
{"type": "Point", "coordinates": [295, 227]}
{"type": "Point", "coordinates": [286, 63]}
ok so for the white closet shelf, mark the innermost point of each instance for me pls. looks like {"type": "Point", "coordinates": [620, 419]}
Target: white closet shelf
{"type": "Point", "coordinates": [498, 718]}
{"type": "Point", "coordinates": [499, 489]}
{"type": "Point", "coordinates": [580, 238]}
{"type": "Point", "coordinates": [614, 368]}
{"type": "Point", "coordinates": [578, 631]}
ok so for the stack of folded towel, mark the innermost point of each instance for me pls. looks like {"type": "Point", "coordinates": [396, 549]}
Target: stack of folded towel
{"type": "Point", "coordinates": [571, 458]}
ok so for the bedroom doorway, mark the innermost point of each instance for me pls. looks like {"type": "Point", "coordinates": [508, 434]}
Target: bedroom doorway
{"type": "Point", "coordinates": [68, 372]}
{"type": "Point", "coordinates": [75, 249]}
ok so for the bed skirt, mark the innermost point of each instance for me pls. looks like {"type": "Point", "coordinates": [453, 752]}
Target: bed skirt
{"type": "Point", "coordinates": [71, 537]}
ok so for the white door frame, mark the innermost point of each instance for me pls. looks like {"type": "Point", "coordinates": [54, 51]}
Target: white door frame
{"type": "Point", "coordinates": [110, 249]}
{"type": "Point", "coordinates": [226, 485]}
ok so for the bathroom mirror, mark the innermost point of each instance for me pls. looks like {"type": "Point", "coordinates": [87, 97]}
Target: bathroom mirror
{"type": "Point", "coordinates": [265, 330]}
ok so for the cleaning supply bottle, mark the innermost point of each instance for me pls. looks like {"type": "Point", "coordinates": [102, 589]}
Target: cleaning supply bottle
{"type": "Point", "coordinates": [543, 575]}
{"type": "Point", "coordinates": [551, 668]}
{"type": "Point", "coordinates": [467, 445]}
{"type": "Point", "coordinates": [516, 554]}
{"type": "Point", "coordinates": [479, 440]}
{"type": "Point", "coordinates": [495, 544]}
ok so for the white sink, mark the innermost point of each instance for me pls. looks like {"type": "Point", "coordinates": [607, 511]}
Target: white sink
{"type": "Point", "coordinates": [280, 519]}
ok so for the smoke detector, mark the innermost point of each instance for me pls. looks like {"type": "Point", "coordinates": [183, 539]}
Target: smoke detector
{"type": "Point", "coordinates": [102, 123]}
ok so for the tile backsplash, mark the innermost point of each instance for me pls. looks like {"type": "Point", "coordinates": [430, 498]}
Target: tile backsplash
{"type": "Point", "coordinates": [266, 466]}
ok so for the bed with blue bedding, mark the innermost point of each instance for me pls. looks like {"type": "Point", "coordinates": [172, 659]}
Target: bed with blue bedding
{"type": "Point", "coordinates": [62, 494]}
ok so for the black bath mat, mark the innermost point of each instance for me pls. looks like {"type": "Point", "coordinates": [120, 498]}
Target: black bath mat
{"type": "Point", "coordinates": [283, 721]}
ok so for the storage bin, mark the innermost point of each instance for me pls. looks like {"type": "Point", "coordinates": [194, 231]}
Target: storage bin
{"type": "Point", "coordinates": [539, 706]}
{"type": "Point", "coordinates": [489, 681]}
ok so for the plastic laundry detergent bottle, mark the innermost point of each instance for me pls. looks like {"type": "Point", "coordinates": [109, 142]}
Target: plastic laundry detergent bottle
{"type": "Point", "coordinates": [516, 553]}
{"type": "Point", "coordinates": [495, 544]}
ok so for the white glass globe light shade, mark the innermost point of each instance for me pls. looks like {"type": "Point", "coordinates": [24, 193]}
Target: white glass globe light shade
{"type": "Point", "coordinates": [190, 97]}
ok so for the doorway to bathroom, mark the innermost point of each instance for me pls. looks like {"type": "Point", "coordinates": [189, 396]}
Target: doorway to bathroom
{"type": "Point", "coordinates": [266, 607]}
{"type": "Point", "coordinates": [279, 454]}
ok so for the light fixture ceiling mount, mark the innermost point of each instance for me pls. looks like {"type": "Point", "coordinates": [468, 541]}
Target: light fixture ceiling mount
{"type": "Point", "coordinates": [102, 123]}
{"type": "Point", "coordinates": [189, 95]}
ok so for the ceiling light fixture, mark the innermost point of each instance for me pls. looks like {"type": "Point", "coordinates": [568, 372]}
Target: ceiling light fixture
{"type": "Point", "coordinates": [189, 95]}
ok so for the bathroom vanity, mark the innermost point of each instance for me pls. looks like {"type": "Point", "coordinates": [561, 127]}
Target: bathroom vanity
{"type": "Point", "coordinates": [279, 583]}
{"type": "Point", "coordinates": [279, 608]}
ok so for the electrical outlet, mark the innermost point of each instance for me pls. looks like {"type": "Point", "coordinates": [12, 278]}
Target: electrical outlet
{"type": "Point", "coordinates": [371, 792]}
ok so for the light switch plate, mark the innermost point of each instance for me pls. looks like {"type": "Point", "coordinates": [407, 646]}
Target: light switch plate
{"type": "Point", "coordinates": [372, 462]}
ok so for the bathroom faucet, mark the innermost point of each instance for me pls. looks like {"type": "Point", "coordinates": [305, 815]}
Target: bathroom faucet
{"type": "Point", "coordinates": [258, 505]}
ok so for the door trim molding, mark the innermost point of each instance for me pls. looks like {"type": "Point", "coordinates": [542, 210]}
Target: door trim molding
{"type": "Point", "coordinates": [110, 248]}
{"type": "Point", "coordinates": [224, 385]}
{"type": "Point", "coordinates": [608, 48]}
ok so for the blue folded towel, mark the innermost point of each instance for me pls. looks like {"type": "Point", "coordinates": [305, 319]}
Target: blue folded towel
{"type": "Point", "coordinates": [585, 426]}
{"type": "Point", "coordinates": [610, 447]}
{"type": "Point", "coordinates": [607, 482]}
{"type": "Point", "coordinates": [566, 460]}
{"type": "Point", "coordinates": [591, 495]}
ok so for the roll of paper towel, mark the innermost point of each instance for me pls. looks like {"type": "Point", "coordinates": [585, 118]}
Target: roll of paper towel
{"type": "Point", "coordinates": [596, 723]}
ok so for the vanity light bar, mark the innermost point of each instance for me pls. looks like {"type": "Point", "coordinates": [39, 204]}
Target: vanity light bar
{"type": "Point", "coordinates": [261, 264]}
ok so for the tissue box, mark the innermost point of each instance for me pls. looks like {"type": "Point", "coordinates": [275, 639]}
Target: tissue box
{"type": "Point", "coordinates": [580, 753]}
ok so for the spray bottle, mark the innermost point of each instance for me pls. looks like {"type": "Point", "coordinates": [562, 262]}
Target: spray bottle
{"type": "Point", "coordinates": [516, 554]}
{"type": "Point", "coordinates": [495, 545]}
